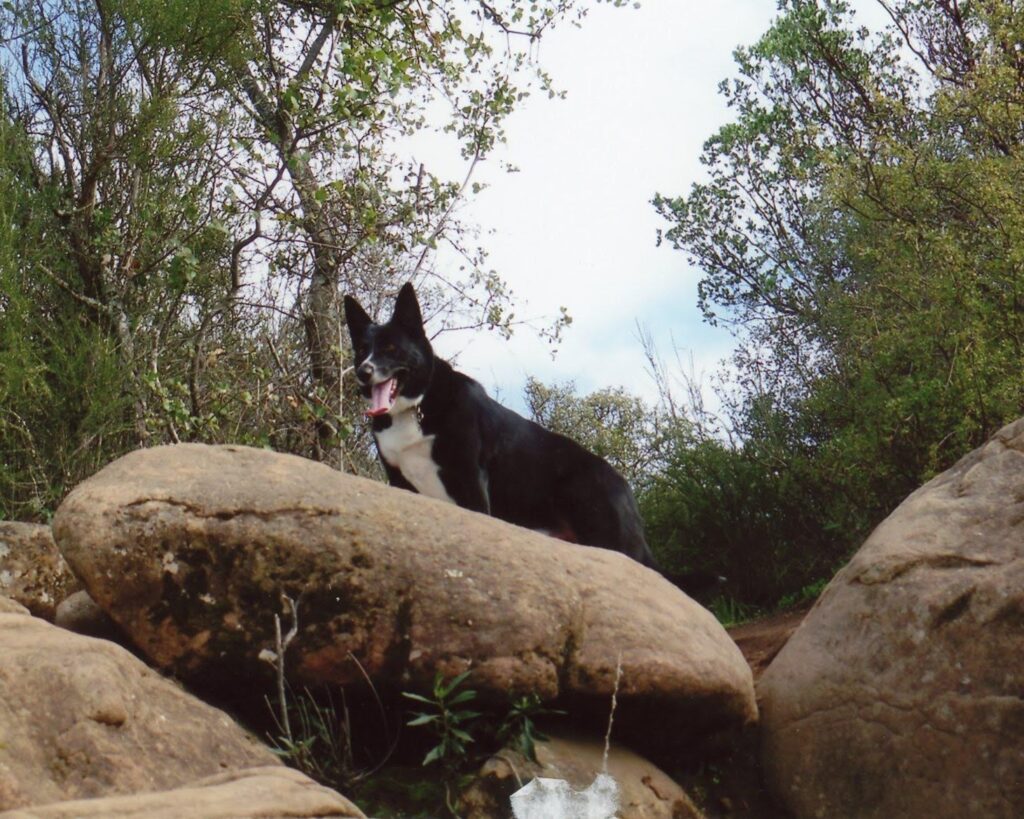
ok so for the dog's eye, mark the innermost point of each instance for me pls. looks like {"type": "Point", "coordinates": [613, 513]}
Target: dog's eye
{"type": "Point", "coordinates": [389, 348]}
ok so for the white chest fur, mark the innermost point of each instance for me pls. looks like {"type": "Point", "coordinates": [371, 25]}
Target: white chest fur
{"type": "Point", "coordinates": [404, 446]}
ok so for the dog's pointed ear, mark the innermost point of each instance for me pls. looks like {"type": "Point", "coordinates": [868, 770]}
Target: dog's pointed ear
{"type": "Point", "coordinates": [407, 310]}
{"type": "Point", "coordinates": [356, 318]}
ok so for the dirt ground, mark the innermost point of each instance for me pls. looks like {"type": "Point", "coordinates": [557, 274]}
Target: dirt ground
{"type": "Point", "coordinates": [761, 640]}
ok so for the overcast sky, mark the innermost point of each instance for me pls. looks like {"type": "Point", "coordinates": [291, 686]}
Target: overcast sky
{"type": "Point", "coordinates": [575, 226]}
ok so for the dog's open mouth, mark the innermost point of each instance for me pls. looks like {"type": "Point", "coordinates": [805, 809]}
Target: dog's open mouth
{"type": "Point", "coordinates": [382, 397]}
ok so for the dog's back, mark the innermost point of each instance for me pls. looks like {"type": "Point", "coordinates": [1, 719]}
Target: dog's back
{"type": "Point", "coordinates": [537, 478]}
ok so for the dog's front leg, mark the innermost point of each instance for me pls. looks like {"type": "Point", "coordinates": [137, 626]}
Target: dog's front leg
{"type": "Point", "coordinates": [396, 478]}
{"type": "Point", "coordinates": [465, 481]}
{"type": "Point", "coordinates": [468, 488]}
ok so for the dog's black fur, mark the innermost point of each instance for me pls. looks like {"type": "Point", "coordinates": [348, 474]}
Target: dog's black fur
{"type": "Point", "coordinates": [481, 455]}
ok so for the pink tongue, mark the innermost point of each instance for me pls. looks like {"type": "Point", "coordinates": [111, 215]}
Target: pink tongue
{"type": "Point", "coordinates": [380, 398]}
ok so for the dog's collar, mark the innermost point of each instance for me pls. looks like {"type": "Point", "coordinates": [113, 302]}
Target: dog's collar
{"type": "Point", "coordinates": [418, 409]}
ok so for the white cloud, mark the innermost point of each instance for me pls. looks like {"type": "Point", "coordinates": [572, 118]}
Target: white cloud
{"type": "Point", "coordinates": [574, 226]}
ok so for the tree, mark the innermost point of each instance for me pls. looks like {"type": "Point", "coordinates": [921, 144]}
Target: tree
{"type": "Point", "coordinates": [610, 422]}
{"type": "Point", "coordinates": [119, 242]}
{"type": "Point", "coordinates": [324, 89]}
{"type": "Point", "coordinates": [194, 184]}
{"type": "Point", "coordinates": [860, 232]}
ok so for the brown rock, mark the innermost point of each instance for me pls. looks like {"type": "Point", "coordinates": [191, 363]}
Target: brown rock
{"type": "Point", "coordinates": [80, 614]}
{"type": "Point", "coordinates": [902, 694]}
{"type": "Point", "coordinates": [189, 548]}
{"type": "Point", "coordinates": [81, 718]}
{"type": "Point", "coordinates": [645, 792]}
{"type": "Point", "coordinates": [8, 606]}
{"type": "Point", "coordinates": [32, 571]}
{"type": "Point", "coordinates": [265, 792]}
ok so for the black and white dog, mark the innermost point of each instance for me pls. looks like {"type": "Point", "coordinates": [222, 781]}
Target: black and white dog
{"type": "Point", "coordinates": [438, 433]}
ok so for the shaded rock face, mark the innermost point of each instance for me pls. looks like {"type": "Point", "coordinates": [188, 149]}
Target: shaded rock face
{"type": "Point", "coordinates": [32, 571]}
{"type": "Point", "coordinates": [902, 694]}
{"type": "Point", "coordinates": [645, 792]}
{"type": "Point", "coordinates": [84, 718]}
{"type": "Point", "coordinates": [266, 792]}
{"type": "Point", "coordinates": [189, 548]}
{"type": "Point", "coordinates": [80, 614]}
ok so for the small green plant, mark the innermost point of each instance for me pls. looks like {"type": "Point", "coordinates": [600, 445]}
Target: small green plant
{"type": "Point", "coordinates": [314, 733]}
{"type": "Point", "coordinates": [518, 730]}
{"type": "Point", "coordinates": [808, 594]}
{"type": "Point", "coordinates": [731, 612]}
{"type": "Point", "coordinates": [318, 740]}
{"type": "Point", "coordinates": [449, 718]}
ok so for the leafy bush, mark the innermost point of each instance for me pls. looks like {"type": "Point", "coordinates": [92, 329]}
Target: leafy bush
{"type": "Point", "coordinates": [732, 512]}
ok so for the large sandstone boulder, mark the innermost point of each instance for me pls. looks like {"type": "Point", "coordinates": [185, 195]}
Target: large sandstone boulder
{"type": "Point", "coordinates": [645, 791]}
{"type": "Point", "coordinates": [32, 571]}
{"type": "Point", "coordinates": [902, 693]}
{"type": "Point", "coordinates": [82, 718]}
{"type": "Point", "coordinates": [189, 548]}
{"type": "Point", "coordinates": [266, 792]}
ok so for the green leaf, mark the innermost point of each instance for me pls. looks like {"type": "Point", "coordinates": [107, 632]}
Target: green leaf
{"type": "Point", "coordinates": [454, 683]}
{"type": "Point", "coordinates": [463, 696]}
{"type": "Point", "coordinates": [463, 716]}
{"type": "Point", "coordinates": [433, 754]}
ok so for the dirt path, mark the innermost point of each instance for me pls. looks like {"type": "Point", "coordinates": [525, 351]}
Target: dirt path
{"type": "Point", "coordinates": [761, 640]}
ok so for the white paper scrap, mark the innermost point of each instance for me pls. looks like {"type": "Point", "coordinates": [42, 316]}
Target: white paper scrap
{"type": "Point", "coordinates": [555, 799]}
